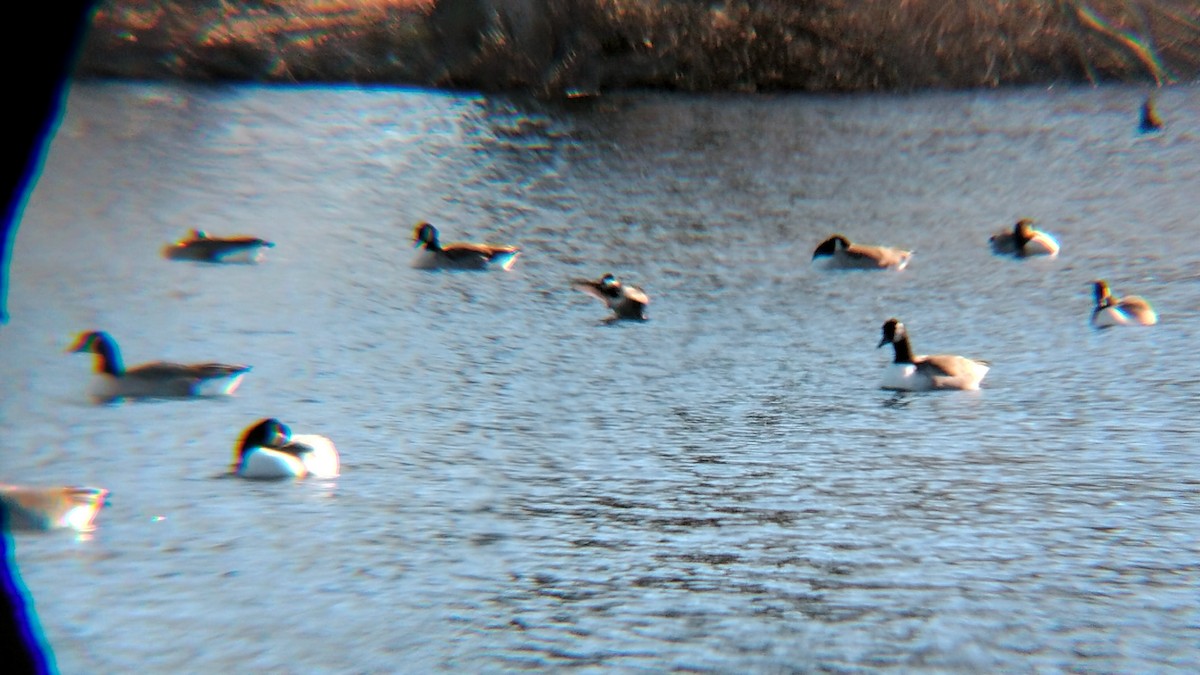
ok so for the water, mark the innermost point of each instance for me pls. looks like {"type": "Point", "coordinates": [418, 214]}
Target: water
{"type": "Point", "coordinates": [721, 489]}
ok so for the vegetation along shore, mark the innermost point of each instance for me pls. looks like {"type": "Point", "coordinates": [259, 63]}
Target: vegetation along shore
{"type": "Point", "coordinates": [566, 47]}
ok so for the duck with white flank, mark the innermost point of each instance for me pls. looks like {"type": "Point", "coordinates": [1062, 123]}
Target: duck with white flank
{"type": "Point", "coordinates": [268, 451]}
{"type": "Point", "coordinates": [628, 302]}
{"type": "Point", "coordinates": [909, 372]}
{"type": "Point", "coordinates": [1130, 310]}
{"type": "Point", "coordinates": [202, 247]}
{"type": "Point", "coordinates": [159, 379]}
{"type": "Point", "coordinates": [50, 508]}
{"type": "Point", "coordinates": [1023, 240]}
{"type": "Point", "coordinates": [459, 255]}
{"type": "Point", "coordinates": [844, 255]}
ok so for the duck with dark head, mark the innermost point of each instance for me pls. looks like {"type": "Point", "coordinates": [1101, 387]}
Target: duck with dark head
{"type": "Point", "coordinates": [1109, 310]}
{"type": "Point", "coordinates": [158, 379]}
{"type": "Point", "coordinates": [1023, 241]}
{"type": "Point", "coordinates": [268, 450]}
{"type": "Point", "coordinates": [912, 372]}
{"type": "Point", "coordinates": [841, 254]}
{"type": "Point", "coordinates": [200, 246]}
{"type": "Point", "coordinates": [626, 302]}
{"type": "Point", "coordinates": [459, 255]}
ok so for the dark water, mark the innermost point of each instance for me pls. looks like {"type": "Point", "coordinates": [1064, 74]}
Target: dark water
{"type": "Point", "coordinates": [721, 489]}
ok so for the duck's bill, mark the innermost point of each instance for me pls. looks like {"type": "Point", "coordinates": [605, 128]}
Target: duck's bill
{"type": "Point", "coordinates": [79, 346]}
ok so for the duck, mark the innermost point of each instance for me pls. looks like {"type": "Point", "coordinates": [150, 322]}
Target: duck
{"type": "Point", "coordinates": [459, 255]}
{"type": "Point", "coordinates": [910, 372]}
{"type": "Point", "coordinates": [50, 508]}
{"type": "Point", "coordinates": [1131, 310]}
{"type": "Point", "coordinates": [844, 255]}
{"type": "Point", "coordinates": [627, 302]}
{"type": "Point", "coordinates": [1150, 121]}
{"type": "Point", "coordinates": [269, 451]}
{"type": "Point", "coordinates": [1023, 240]}
{"type": "Point", "coordinates": [159, 379]}
{"type": "Point", "coordinates": [201, 246]}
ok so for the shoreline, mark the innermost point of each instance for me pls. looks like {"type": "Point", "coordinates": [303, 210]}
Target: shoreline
{"type": "Point", "coordinates": [558, 48]}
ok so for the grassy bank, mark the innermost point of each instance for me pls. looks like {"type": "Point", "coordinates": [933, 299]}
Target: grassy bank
{"type": "Point", "coordinates": [564, 46]}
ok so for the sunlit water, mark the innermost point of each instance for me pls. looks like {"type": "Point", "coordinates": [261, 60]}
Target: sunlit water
{"type": "Point", "coordinates": [722, 488]}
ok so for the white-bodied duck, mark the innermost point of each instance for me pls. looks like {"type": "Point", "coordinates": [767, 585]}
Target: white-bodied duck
{"type": "Point", "coordinates": [1131, 310]}
{"type": "Point", "coordinates": [1023, 241]}
{"type": "Point", "coordinates": [203, 247]}
{"type": "Point", "coordinates": [269, 451]}
{"type": "Point", "coordinates": [459, 255]}
{"type": "Point", "coordinates": [627, 302]}
{"type": "Point", "coordinates": [159, 379]}
{"type": "Point", "coordinates": [50, 508]}
{"type": "Point", "coordinates": [842, 254]}
{"type": "Point", "coordinates": [910, 372]}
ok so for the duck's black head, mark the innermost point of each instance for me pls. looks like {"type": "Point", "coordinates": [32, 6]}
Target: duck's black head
{"type": "Point", "coordinates": [426, 234]}
{"type": "Point", "coordinates": [896, 334]}
{"type": "Point", "coordinates": [1150, 119]}
{"type": "Point", "coordinates": [893, 331]}
{"type": "Point", "coordinates": [1023, 231]}
{"type": "Point", "coordinates": [609, 283]}
{"type": "Point", "coordinates": [265, 433]}
{"type": "Point", "coordinates": [1101, 292]}
{"type": "Point", "coordinates": [104, 347]}
{"type": "Point", "coordinates": [831, 245]}
{"type": "Point", "coordinates": [92, 341]}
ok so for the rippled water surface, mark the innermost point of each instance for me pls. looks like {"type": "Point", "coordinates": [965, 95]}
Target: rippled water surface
{"type": "Point", "coordinates": [723, 488]}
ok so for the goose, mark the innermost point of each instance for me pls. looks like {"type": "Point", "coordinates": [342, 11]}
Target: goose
{"type": "Point", "coordinates": [627, 302]}
{"type": "Point", "coordinates": [153, 380]}
{"type": "Point", "coordinates": [268, 450]}
{"type": "Point", "coordinates": [924, 373]}
{"type": "Point", "coordinates": [844, 255]}
{"type": "Point", "coordinates": [459, 255]}
{"type": "Point", "coordinates": [201, 246]}
{"type": "Point", "coordinates": [1130, 310]}
{"type": "Point", "coordinates": [49, 508]}
{"type": "Point", "coordinates": [1150, 120]}
{"type": "Point", "coordinates": [1023, 241]}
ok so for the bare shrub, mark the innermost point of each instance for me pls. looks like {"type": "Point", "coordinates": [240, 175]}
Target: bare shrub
{"type": "Point", "coordinates": [565, 46]}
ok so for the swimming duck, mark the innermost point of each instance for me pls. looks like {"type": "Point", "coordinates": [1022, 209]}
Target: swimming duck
{"type": "Point", "coordinates": [268, 450]}
{"type": "Point", "coordinates": [157, 379]}
{"type": "Point", "coordinates": [49, 508]}
{"type": "Point", "coordinates": [1130, 310]}
{"type": "Point", "coordinates": [923, 373]}
{"type": "Point", "coordinates": [459, 255]}
{"type": "Point", "coordinates": [628, 302]}
{"type": "Point", "coordinates": [844, 255]}
{"type": "Point", "coordinates": [200, 246]}
{"type": "Point", "coordinates": [1150, 119]}
{"type": "Point", "coordinates": [1023, 241]}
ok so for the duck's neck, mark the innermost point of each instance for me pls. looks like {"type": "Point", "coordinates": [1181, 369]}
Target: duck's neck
{"type": "Point", "coordinates": [903, 350]}
{"type": "Point", "coordinates": [108, 359]}
{"type": "Point", "coordinates": [1020, 238]}
{"type": "Point", "coordinates": [250, 440]}
{"type": "Point", "coordinates": [432, 244]}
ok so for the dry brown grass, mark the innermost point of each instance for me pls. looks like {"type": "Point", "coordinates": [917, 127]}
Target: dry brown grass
{"type": "Point", "coordinates": [569, 45]}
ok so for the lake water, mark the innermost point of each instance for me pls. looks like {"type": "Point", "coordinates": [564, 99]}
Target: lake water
{"type": "Point", "coordinates": [723, 488]}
